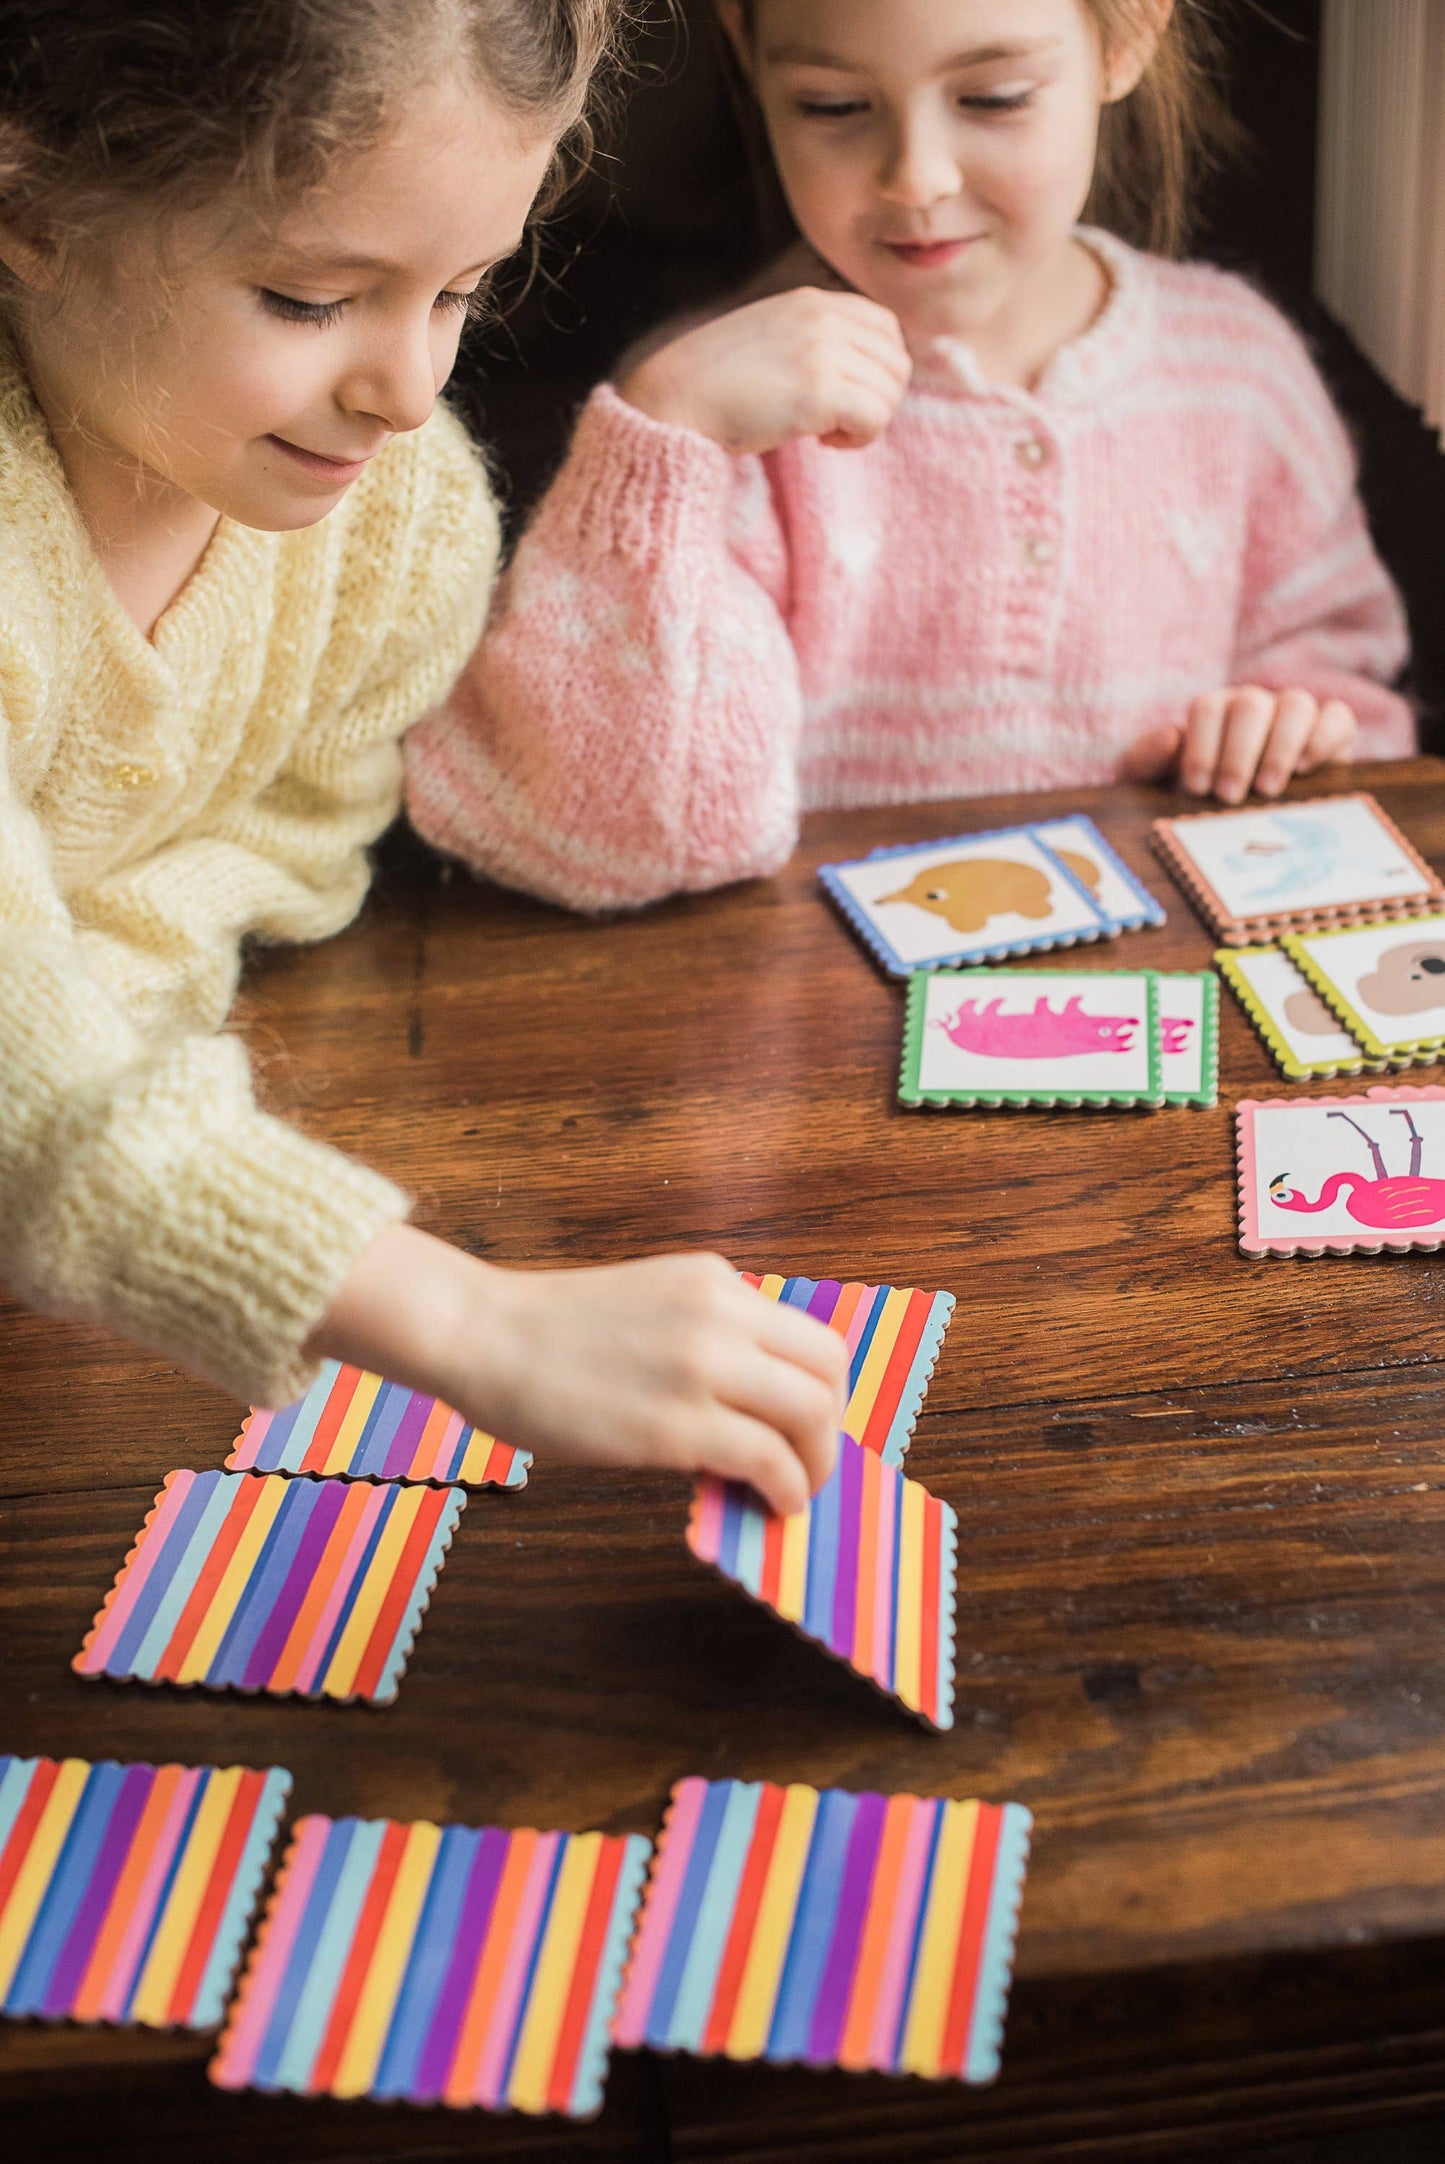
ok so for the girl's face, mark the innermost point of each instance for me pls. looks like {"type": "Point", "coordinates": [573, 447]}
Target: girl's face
{"type": "Point", "coordinates": [259, 371]}
{"type": "Point", "coordinates": [937, 153]}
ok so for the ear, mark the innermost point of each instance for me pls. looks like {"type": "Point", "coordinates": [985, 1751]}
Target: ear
{"type": "Point", "coordinates": [733, 15]}
{"type": "Point", "coordinates": [1127, 63]}
{"type": "Point", "coordinates": [30, 262]}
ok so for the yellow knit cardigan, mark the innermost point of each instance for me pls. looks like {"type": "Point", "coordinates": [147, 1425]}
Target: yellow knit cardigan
{"type": "Point", "coordinates": [161, 800]}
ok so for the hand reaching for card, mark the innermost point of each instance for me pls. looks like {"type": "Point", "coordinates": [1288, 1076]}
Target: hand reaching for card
{"type": "Point", "coordinates": [1242, 739]}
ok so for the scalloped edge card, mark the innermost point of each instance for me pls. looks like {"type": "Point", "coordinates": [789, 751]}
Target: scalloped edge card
{"type": "Point", "coordinates": [1296, 867]}
{"type": "Point", "coordinates": [357, 1426]}
{"type": "Point", "coordinates": [810, 1927]}
{"type": "Point", "coordinates": [893, 1336]}
{"type": "Point", "coordinates": [974, 898]}
{"type": "Point", "coordinates": [867, 1570]}
{"type": "Point", "coordinates": [1189, 1037]}
{"type": "Point", "coordinates": [1303, 1037]}
{"type": "Point", "coordinates": [1033, 1037]}
{"type": "Point", "coordinates": [1124, 900]}
{"type": "Point", "coordinates": [257, 1582]}
{"type": "Point", "coordinates": [1342, 1175]}
{"type": "Point", "coordinates": [451, 1965]}
{"type": "Point", "coordinates": [1386, 982]}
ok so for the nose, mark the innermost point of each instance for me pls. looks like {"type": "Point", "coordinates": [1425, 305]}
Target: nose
{"type": "Point", "coordinates": [921, 168]}
{"type": "Point", "coordinates": [394, 379]}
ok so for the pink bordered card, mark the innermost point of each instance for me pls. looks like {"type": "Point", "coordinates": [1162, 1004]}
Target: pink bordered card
{"type": "Point", "coordinates": [1342, 1175]}
{"type": "Point", "coordinates": [1258, 873]}
{"type": "Point", "coordinates": [359, 1427]}
{"type": "Point", "coordinates": [867, 1571]}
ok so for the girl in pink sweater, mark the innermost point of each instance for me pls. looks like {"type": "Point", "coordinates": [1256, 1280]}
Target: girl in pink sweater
{"type": "Point", "coordinates": [982, 500]}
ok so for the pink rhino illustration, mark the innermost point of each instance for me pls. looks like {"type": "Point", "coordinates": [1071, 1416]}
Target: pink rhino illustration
{"type": "Point", "coordinates": [1040, 1034]}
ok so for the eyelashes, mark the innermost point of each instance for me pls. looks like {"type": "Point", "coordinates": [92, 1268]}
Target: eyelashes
{"type": "Point", "coordinates": [321, 315]}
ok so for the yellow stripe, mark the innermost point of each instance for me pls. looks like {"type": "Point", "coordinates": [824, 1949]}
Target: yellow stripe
{"type": "Point", "coordinates": [763, 1969]}
{"type": "Point", "coordinates": [361, 2054]}
{"type": "Point", "coordinates": [537, 2045]}
{"type": "Point", "coordinates": [479, 1449]}
{"type": "Point", "coordinates": [349, 1433]}
{"type": "Point", "coordinates": [33, 1877]}
{"type": "Point", "coordinates": [910, 1594]}
{"type": "Point", "coordinates": [178, 1919]}
{"type": "Point", "coordinates": [938, 1952]}
{"type": "Point", "coordinates": [793, 1566]}
{"type": "Point", "coordinates": [340, 1677]}
{"type": "Point", "coordinates": [880, 1351]}
{"type": "Point", "coordinates": [772, 1287]}
{"type": "Point", "coordinates": [227, 1596]}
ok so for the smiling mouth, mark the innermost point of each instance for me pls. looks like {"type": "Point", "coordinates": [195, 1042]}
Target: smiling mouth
{"type": "Point", "coordinates": [319, 464]}
{"type": "Point", "coordinates": [926, 254]}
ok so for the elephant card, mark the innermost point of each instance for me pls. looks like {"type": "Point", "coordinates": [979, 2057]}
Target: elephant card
{"type": "Point", "coordinates": [1342, 1175]}
{"type": "Point", "coordinates": [1386, 983]}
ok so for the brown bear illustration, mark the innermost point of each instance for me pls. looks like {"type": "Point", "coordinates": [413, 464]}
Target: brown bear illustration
{"type": "Point", "coordinates": [968, 893]}
{"type": "Point", "coordinates": [1307, 1012]}
{"type": "Point", "coordinates": [1407, 979]}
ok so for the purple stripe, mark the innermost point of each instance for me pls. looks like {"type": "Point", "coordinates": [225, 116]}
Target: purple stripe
{"type": "Point", "coordinates": [274, 1632]}
{"type": "Point", "coordinates": [850, 1525]}
{"type": "Point", "coordinates": [407, 1436]}
{"type": "Point", "coordinates": [74, 1956]}
{"type": "Point", "coordinates": [835, 1988]}
{"type": "Point", "coordinates": [435, 2062]}
{"type": "Point", "coordinates": [825, 1299]}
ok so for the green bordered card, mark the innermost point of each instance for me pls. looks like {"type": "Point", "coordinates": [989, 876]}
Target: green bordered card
{"type": "Point", "coordinates": [1189, 1037]}
{"type": "Point", "coordinates": [1304, 1038]}
{"type": "Point", "coordinates": [1043, 1037]}
{"type": "Point", "coordinates": [1386, 982]}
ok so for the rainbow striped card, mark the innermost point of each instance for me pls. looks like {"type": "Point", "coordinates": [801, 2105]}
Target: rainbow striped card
{"type": "Point", "coordinates": [893, 1337]}
{"type": "Point", "coordinates": [438, 1965]}
{"type": "Point", "coordinates": [125, 1891]}
{"type": "Point", "coordinates": [867, 1571]}
{"type": "Point", "coordinates": [357, 1426]}
{"type": "Point", "coordinates": [253, 1582]}
{"type": "Point", "coordinates": [826, 1929]}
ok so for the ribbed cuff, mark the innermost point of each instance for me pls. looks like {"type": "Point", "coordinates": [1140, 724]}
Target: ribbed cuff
{"type": "Point", "coordinates": [637, 487]}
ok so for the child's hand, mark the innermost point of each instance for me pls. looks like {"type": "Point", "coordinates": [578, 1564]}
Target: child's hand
{"type": "Point", "coordinates": [673, 1363]}
{"type": "Point", "coordinates": [803, 363]}
{"type": "Point", "coordinates": [1245, 739]}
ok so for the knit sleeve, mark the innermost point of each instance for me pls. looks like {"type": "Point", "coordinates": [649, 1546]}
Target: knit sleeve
{"type": "Point", "coordinates": [628, 726]}
{"type": "Point", "coordinates": [1320, 611]}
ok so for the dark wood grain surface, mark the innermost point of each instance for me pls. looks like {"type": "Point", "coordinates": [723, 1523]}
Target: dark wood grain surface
{"type": "Point", "coordinates": [1202, 1538]}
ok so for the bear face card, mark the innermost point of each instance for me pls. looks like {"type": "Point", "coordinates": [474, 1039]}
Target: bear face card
{"type": "Point", "coordinates": [1036, 1037]}
{"type": "Point", "coordinates": [1386, 982]}
{"type": "Point", "coordinates": [1342, 1175]}
{"type": "Point", "coordinates": [978, 898]}
{"type": "Point", "coordinates": [1305, 1038]}
{"type": "Point", "coordinates": [1296, 866]}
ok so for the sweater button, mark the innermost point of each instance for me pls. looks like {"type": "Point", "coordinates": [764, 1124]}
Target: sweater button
{"type": "Point", "coordinates": [124, 776]}
{"type": "Point", "coordinates": [1039, 552]}
{"type": "Point", "coordinates": [1033, 451]}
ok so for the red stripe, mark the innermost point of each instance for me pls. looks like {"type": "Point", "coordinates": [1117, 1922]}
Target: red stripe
{"type": "Point", "coordinates": [333, 1412]}
{"type": "Point", "coordinates": [358, 1961]}
{"type": "Point", "coordinates": [772, 1576]}
{"type": "Point", "coordinates": [895, 1375]}
{"type": "Point", "coordinates": [745, 1916]}
{"type": "Point", "coordinates": [44, 1778]}
{"type": "Point", "coordinates": [928, 1646]}
{"type": "Point", "coordinates": [399, 1592]}
{"type": "Point", "coordinates": [970, 1938]}
{"type": "Point", "coordinates": [213, 1900]}
{"type": "Point", "coordinates": [749, 1278]}
{"type": "Point", "coordinates": [191, 1617]}
{"type": "Point", "coordinates": [584, 1974]}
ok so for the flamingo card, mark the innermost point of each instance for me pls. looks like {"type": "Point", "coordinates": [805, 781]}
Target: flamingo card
{"type": "Point", "coordinates": [1386, 982]}
{"type": "Point", "coordinates": [1189, 1037]}
{"type": "Point", "coordinates": [1305, 1038]}
{"type": "Point", "coordinates": [1342, 1175]}
{"type": "Point", "coordinates": [1035, 1037]}
{"type": "Point", "coordinates": [976, 898]}
{"type": "Point", "coordinates": [1292, 867]}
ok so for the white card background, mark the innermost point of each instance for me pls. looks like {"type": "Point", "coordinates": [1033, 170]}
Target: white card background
{"type": "Point", "coordinates": [1325, 855]}
{"type": "Point", "coordinates": [945, 1065]}
{"type": "Point", "coordinates": [1182, 999]}
{"type": "Point", "coordinates": [919, 936]}
{"type": "Point", "coordinates": [1274, 980]}
{"type": "Point", "coordinates": [1380, 963]}
{"type": "Point", "coordinates": [1308, 1147]}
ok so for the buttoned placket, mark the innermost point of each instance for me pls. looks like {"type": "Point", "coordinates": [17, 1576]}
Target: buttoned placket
{"type": "Point", "coordinates": [1033, 536]}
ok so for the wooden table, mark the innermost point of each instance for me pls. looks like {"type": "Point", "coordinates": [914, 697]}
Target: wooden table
{"type": "Point", "coordinates": [1202, 1554]}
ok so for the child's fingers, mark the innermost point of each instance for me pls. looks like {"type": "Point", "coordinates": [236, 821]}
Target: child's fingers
{"type": "Point", "coordinates": [1202, 739]}
{"type": "Point", "coordinates": [795, 1405]}
{"type": "Point", "coordinates": [1246, 732]}
{"type": "Point", "coordinates": [791, 1335]}
{"type": "Point", "coordinates": [736, 1448]}
{"type": "Point", "coordinates": [1154, 754]}
{"type": "Point", "coordinates": [1295, 719]}
{"type": "Point", "coordinates": [1333, 736]}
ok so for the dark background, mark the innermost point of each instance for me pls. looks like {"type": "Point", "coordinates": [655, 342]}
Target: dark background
{"type": "Point", "coordinates": [673, 215]}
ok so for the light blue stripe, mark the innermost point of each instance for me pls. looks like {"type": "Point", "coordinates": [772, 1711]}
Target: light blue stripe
{"type": "Point", "coordinates": [752, 1534]}
{"type": "Point", "coordinates": [947, 1582]}
{"type": "Point", "coordinates": [303, 1434]}
{"type": "Point", "coordinates": [592, 2059]}
{"type": "Point", "coordinates": [714, 1916]}
{"type": "Point", "coordinates": [389, 1681]}
{"type": "Point", "coordinates": [985, 2035]}
{"type": "Point", "coordinates": [184, 1574]}
{"type": "Point", "coordinates": [334, 1934]}
{"type": "Point", "coordinates": [14, 1788]}
{"type": "Point", "coordinates": [225, 1952]}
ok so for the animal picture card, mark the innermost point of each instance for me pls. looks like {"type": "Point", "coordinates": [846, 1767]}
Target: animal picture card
{"type": "Point", "coordinates": [977, 898]}
{"type": "Point", "coordinates": [1189, 1037]}
{"type": "Point", "coordinates": [1304, 1037]}
{"type": "Point", "coordinates": [1079, 845]}
{"type": "Point", "coordinates": [126, 1891]}
{"type": "Point", "coordinates": [820, 1928]}
{"type": "Point", "coordinates": [893, 1338]}
{"type": "Point", "coordinates": [866, 1570]}
{"type": "Point", "coordinates": [1342, 1175]}
{"type": "Point", "coordinates": [437, 1965]}
{"type": "Point", "coordinates": [1292, 867]}
{"type": "Point", "coordinates": [1024, 1037]}
{"type": "Point", "coordinates": [253, 1582]}
{"type": "Point", "coordinates": [1386, 983]}
{"type": "Point", "coordinates": [356, 1425]}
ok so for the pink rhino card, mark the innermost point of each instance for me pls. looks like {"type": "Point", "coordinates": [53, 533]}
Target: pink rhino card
{"type": "Point", "coordinates": [1342, 1175]}
{"type": "Point", "coordinates": [1033, 1037]}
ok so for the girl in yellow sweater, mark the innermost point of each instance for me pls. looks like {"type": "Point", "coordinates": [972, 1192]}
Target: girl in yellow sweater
{"type": "Point", "coordinates": [241, 549]}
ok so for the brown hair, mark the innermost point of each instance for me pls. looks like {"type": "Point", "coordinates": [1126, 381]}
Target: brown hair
{"type": "Point", "coordinates": [109, 106]}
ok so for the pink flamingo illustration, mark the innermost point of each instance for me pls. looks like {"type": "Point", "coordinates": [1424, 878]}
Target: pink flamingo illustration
{"type": "Point", "coordinates": [1386, 1203]}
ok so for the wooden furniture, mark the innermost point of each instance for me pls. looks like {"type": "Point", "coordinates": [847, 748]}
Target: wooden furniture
{"type": "Point", "coordinates": [1202, 1556]}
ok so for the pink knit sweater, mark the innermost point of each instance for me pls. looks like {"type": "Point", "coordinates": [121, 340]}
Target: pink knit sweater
{"type": "Point", "coordinates": [1003, 592]}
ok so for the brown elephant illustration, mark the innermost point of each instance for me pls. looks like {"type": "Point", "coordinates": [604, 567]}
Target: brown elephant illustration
{"type": "Point", "coordinates": [1407, 979]}
{"type": "Point", "coordinates": [968, 893]}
